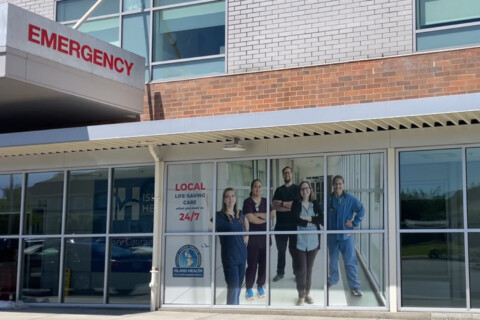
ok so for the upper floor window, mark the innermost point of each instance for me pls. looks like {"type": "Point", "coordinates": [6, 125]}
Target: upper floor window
{"type": "Point", "coordinates": [178, 38]}
{"type": "Point", "coordinates": [447, 23]}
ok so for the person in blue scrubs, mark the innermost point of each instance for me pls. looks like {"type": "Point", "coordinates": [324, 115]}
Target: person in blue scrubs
{"type": "Point", "coordinates": [345, 212]}
{"type": "Point", "coordinates": [234, 247]}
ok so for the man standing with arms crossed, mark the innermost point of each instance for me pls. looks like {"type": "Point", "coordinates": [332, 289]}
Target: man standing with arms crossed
{"type": "Point", "coordinates": [282, 203]}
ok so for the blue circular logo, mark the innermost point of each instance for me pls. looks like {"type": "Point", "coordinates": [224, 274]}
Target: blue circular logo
{"type": "Point", "coordinates": [188, 256]}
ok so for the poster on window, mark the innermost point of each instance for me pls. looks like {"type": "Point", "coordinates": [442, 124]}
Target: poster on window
{"type": "Point", "coordinates": [188, 266]}
{"type": "Point", "coordinates": [189, 197]}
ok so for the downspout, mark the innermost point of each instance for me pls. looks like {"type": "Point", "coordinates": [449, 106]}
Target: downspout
{"type": "Point", "coordinates": [154, 284]}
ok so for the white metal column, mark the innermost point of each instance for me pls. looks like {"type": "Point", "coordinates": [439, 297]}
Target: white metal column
{"type": "Point", "coordinates": [155, 292]}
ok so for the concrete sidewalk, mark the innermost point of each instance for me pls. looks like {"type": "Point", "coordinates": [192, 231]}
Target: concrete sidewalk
{"type": "Point", "coordinates": [88, 313]}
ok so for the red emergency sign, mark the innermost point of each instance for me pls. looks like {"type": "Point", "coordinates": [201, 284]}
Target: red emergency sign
{"type": "Point", "coordinates": [73, 48]}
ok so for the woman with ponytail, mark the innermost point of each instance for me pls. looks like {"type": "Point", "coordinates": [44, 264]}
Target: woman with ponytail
{"type": "Point", "coordinates": [255, 210]}
{"type": "Point", "coordinates": [234, 247]}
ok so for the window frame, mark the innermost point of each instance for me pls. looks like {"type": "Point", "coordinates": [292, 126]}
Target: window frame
{"type": "Point", "coordinates": [268, 191]}
{"type": "Point", "coordinates": [458, 25]}
{"type": "Point", "coordinates": [465, 230]}
{"type": "Point", "coordinates": [150, 64]}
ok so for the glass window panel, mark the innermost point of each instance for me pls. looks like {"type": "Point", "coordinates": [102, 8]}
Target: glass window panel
{"type": "Point", "coordinates": [41, 262]}
{"type": "Point", "coordinates": [188, 275]}
{"type": "Point", "coordinates": [441, 12]}
{"type": "Point", "coordinates": [285, 292]}
{"type": "Point", "coordinates": [230, 270]}
{"type": "Point", "coordinates": [231, 252]}
{"type": "Point", "coordinates": [44, 199]}
{"type": "Point", "coordinates": [448, 38]}
{"type": "Point", "coordinates": [75, 9]}
{"type": "Point", "coordinates": [135, 34]}
{"type": "Point", "coordinates": [431, 189]}
{"type": "Point", "coordinates": [474, 264]}
{"type": "Point", "coordinates": [367, 188]}
{"type": "Point", "coordinates": [129, 270]}
{"type": "Point", "coordinates": [8, 269]}
{"type": "Point", "coordinates": [147, 74]}
{"type": "Point", "coordinates": [103, 29]}
{"type": "Point", "coordinates": [188, 69]}
{"type": "Point", "coordinates": [87, 201]}
{"type": "Point", "coordinates": [158, 3]}
{"type": "Point", "coordinates": [364, 247]}
{"type": "Point", "coordinates": [309, 169]}
{"type": "Point", "coordinates": [376, 264]}
{"type": "Point", "coordinates": [473, 187]}
{"type": "Point", "coordinates": [433, 270]}
{"type": "Point", "coordinates": [10, 195]}
{"type": "Point", "coordinates": [363, 186]}
{"type": "Point", "coordinates": [84, 270]}
{"type": "Point", "coordinates": [239, 175]}
{"type": "Point", "coordinates": [132, 5]}
{"type": "Point", "coordinates": [132, 202]}
{"type": "Point", "coordinates": [189, 31]}
{"type": "Point", "coordinates": [284, 251]}
{"type": "Point", "coordinates": [376, 200]}
{"type": "Point", "coordinates": [356, 269]}
{"type": "Point", "coordinates": [189, 194]}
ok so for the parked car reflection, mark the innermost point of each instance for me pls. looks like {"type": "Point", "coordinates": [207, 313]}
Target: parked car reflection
{"type": "Point", "coordinates": [84, 265]}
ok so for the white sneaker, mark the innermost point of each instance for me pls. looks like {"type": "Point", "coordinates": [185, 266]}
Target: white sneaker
{"type": "Point", "coordinates": [301, 302]}
{"type": "Point", "coordinates": [357, 292]}
{"type": "Point", "coordinates": [309, 299]}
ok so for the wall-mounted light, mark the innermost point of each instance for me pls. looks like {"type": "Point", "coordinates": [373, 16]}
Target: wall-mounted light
{"type": "Point", "coordinates": [235, 145]}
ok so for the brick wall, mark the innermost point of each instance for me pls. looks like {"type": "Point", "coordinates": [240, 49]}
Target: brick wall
{"type": "Point", "coordinates": [278, 34]}
{"type": "Point", "coordinates": [407, 77]}
{"type": "Point", "coordinates": [41, 7]}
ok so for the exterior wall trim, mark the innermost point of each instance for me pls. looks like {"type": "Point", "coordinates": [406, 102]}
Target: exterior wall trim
{"type": "Point", "coordinates": [399, 110]}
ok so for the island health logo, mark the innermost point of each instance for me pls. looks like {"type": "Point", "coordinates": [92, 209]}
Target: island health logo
{"type": "Point", "coordinates": [188, 262]}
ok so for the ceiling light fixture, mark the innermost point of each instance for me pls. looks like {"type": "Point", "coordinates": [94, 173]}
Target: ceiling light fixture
{"type": "Point", "coordinates": [235, 145]}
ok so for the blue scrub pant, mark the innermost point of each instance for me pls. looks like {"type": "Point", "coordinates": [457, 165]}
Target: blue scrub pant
{"type": "Point", "coordinates": [234, 275]}
{"type": "Point", "coordinates": [347, 249]}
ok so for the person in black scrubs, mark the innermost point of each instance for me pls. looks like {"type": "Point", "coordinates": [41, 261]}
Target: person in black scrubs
{"type": "Point", "coordinates": [255, 210]}
{"type": "Point", "coordinates": [286, 221]}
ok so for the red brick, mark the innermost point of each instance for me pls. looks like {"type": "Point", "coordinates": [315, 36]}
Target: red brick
{"type": "Point", "coordinates": [407, 77]}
